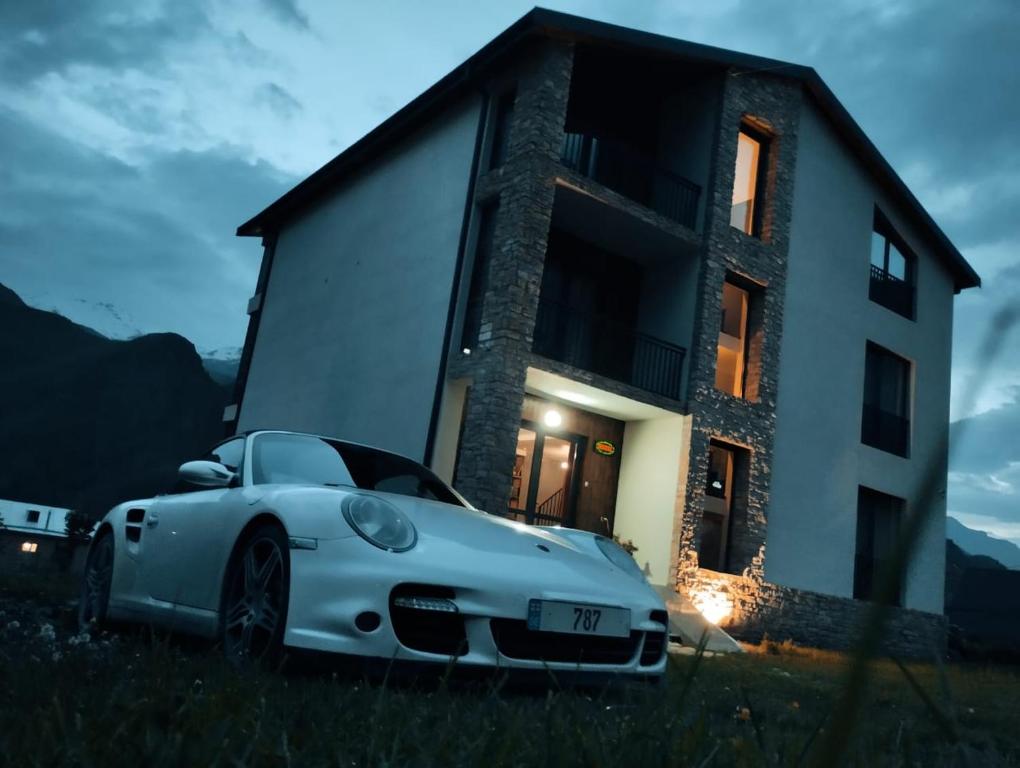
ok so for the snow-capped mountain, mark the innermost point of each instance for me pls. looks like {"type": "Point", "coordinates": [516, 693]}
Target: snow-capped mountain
{"type": "Point", "coordinates": [102, 317]}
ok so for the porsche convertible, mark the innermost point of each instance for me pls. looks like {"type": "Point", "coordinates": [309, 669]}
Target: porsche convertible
{"type": "Point", "coordinates": [284, 540]}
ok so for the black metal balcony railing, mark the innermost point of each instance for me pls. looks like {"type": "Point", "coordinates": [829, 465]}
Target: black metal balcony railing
{"type": "Point", "coordinates": [634, 174]}
{"type": "Point", "coordinates": [885, 430]}
{"type": "Point", "coordinates": [891, 292]}
{"type": "Point", "coordinates": [608, 348]}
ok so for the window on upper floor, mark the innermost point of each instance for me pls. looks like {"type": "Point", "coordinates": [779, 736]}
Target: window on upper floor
{"type": "Point", "coordinates": [501, 119]}
{"type": "Point", "coordinates": [885, 421]}
{"type": "Point", "coordinates": [893, 270]}
{"type": "Point", "coordinates": [749, 181]}
{"type": "Point", "coordinates": [479, 276]}
{"type": "Point", "coordinates": [739, 345]}
{"type": "Point", "coordinates": [32, 516]}
{"type": "Point", "coordinates": [879, 517]}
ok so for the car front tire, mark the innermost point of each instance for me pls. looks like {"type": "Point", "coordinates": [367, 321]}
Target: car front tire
{"type": "Point", "coordinates": [256, 594]}
{"type": "Point", "coordinates": [94, 605]}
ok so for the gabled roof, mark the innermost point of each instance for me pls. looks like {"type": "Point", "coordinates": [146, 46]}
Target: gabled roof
{"type": "Point", "coordinates": [540, 22]}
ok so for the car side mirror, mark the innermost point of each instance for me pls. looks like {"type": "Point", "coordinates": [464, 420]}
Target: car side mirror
{"type": "Point", "coordinates": [206, 474]}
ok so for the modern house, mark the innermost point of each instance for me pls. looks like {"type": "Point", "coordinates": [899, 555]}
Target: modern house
{"type": "Point", "coordinates": [607, 279]}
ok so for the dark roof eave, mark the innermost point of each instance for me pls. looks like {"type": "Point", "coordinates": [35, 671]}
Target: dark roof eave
{"type": "Point", "coordinates": [540, 19]}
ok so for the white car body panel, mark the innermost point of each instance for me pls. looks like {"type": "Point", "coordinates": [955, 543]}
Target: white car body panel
{"type": "Point", "coordinates": [171, 556]}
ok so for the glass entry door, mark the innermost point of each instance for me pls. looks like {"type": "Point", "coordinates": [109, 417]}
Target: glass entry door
{"type": "Point", "coordinates": [545, 468]}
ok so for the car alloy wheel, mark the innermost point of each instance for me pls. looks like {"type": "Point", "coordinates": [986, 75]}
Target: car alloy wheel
{"type": "Point", "coordinates": [255, 608]}
{"type": "Point", "coordinates": [95, 592]}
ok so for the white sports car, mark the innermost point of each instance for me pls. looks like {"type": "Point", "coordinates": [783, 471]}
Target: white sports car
{"type": "Point", "coordinates": [313, 543]}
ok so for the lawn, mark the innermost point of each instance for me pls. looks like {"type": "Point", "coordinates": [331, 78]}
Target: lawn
{"type": "Point", "coordinates": [137, 699]}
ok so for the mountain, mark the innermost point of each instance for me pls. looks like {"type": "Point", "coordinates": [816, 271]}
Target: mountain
{"type": "Point", "coordinates": [221, 364]}
{"type": "Point", "coordinates": [980, 543]}
{"type": "Point", "coordinates": [100, 316]}
{"type": "Point", "coordinates": [89, 421]}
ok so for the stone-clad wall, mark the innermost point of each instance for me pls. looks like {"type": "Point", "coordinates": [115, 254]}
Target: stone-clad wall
{"type": "Point", "coordinates": [525, 187]}
{"type": "Point", "coordinates": [772, 103]}
{"type": "Point", "coordinates": [762, 609]}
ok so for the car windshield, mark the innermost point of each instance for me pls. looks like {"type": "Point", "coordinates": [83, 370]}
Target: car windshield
{"type": "Point", "coordinates": [304, 459]}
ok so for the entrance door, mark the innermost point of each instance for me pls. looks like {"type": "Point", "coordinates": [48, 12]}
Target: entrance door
{"type": "Point", "coordinates": [545, 473]}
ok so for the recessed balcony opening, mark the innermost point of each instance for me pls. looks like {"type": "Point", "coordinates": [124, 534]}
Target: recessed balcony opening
{"type": "Point", "coordinates": [643, 127]}
{"type": "Point", "coordinates": [617, 298]}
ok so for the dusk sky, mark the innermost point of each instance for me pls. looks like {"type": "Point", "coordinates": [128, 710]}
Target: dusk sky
{"type": "Point", "coordinates": [135, 137]}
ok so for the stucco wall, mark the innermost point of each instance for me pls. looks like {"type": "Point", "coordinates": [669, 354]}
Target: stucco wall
{"type": "Point", "coordinates": [819, 460]}
{"type": "Point", "coordinates": [646, 499]}
{"type": "Point", "coordinates": [352, 328]}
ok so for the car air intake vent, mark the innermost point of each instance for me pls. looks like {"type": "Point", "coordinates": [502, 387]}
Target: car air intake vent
{"type": "Point", "coordinates": [655, 642]}
{"type": "Point", "coordinates": [425, 618]}
{"type": "Point", "coordinates": [515, 641]}
{"type": "Point", "coordinates": [135, 515]}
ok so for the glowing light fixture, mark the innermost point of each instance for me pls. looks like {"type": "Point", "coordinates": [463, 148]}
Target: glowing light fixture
{"type": "Point", "coordinates": [466, 350]}
{"type": "Point", "coordinates": [714, 604]}
{"type": "Point", "coordinates": [564, 465]}
{"type": "Point", "coordinates": [553, 418]}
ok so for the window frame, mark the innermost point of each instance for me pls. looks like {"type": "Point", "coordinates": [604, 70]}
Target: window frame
{"type": "Point", "coordinates": [764, 141]}
{"type": "Point", "coordinates": [906, 404]}
{"type": "Point", "coordinates": [866, 584]}
{"type": "Point", "coordinates": [882, 227]}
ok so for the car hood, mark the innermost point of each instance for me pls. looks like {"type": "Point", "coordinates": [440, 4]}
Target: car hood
{"type": "Point", "coordinates": [487, 544]}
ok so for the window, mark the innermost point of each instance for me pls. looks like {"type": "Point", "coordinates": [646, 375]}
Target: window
{"type": "Point", "coordinates": [32, 516]}
{"type": "Point", "coordinates": [479, 276]}
{"type": "Point", "coordinates": [714, 544]}
{"type": "Point", "coordinates": [29, 547]}
{"type": "Point", "coordinates": [885, 423]}
{"type": "Point", "coordinates": [307, 460]}
{"type": "Point", "coordinates": [749, 181]}
{"type": "Point", "coordinates": [501, 129]}
{"type": "Point", "coordinates": [878, 524]}
{"type": "Point", "coordinates": [230, 454]}
{"type": "Point", "coordinates": [730, 357]}
{"type": "Point", "coordinates": [893, 269]}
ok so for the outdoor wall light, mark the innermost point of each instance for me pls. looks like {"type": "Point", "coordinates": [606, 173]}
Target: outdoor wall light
{"type": "Point", "coordinates": [466, 350]}
{"type": "Point", "coordinates": [553, 418]}
{"type": "Point", "coordinates": [564, 465]}
{"type": "Point", "coordinates": [714, 604]}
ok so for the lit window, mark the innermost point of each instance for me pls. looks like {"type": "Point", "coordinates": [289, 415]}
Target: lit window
{"type": "Point", "coordinates": [29, 546]}
{"type": "Point", "coordinates": [745, 214]}
{"type": "Point", "coordinates": [730, 357]}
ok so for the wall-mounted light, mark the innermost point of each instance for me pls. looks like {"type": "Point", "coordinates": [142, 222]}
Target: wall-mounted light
{"type": "Point", "coordinates": [552, 418]}
{"type": "Point", "coordinates": [564, 465]}
{"type": "Point", "coordinates": [714, 604]}
{"type": "Point", "coordinates": [466, 350]}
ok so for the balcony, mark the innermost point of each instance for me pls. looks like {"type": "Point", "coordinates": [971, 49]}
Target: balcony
{"type": "Point", "coordinates": [608, 348]}
{"type": "Point", "coordinates": [891, 292]}
{"type": "Point", "coordinates": [885, 430]}
{"type": "Point", "coordinates": [633, 174]}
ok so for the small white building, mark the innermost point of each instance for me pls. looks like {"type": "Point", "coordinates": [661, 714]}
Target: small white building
{"type": "Point", "coordinates": [30, 535]}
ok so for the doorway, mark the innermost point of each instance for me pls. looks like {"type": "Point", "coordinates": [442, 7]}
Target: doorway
{"type": "Point", "coordinates": [546, 468]}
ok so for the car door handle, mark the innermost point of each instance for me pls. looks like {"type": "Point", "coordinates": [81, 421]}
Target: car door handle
{"type": "Point", "coordinates": [152, 521]}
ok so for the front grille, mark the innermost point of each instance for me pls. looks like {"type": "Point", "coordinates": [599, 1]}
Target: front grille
{"type": "Point", "coordinates": [515, 641]}
{"type": "Point", "coordinates": [655, 642]}
{"type": "Point", "coordinates": [424, 630]}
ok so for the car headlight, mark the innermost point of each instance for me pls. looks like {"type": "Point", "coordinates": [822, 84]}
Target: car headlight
{"type": "Point", "coordinates": [619, 557]}
{"type": "Point", "coordinates": [379, 523]}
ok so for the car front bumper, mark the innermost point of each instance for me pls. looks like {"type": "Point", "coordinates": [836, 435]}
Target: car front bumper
{"type": "Point", "coordinates": [342, 579]}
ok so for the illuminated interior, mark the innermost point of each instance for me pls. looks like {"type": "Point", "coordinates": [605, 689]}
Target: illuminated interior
{"type": "Point", "coordinates": [729, 367]}
{"type": "Point", "coordinates": [29, 546]}
{"type": "Point", "coordinates": [745, 182]}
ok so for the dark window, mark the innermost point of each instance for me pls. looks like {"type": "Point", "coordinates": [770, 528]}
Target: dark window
{"type": "Point", "coordinates": [885, 423]}
{"type": "Point", "coordinates": [307, 460]}
{"type": "Point", "coordinates": [878, 524]}
{"type": "Point", "coordinates": [32, 516]}
{"type": "Point", "coordinates": [230, 454]}
{"type": "Point", "coordinates": [749, 181]}
{"type": "Point", "coordinates": [893, 270]}
{"type": "Point", "coordinates": [714, 542]}
{"type": "Point", "coordinates": [479, 275]}
{"type": "Point", "coordinates": [501, 129]}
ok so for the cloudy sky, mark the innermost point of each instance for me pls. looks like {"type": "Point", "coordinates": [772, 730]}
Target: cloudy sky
{"type": "Point", "coordinates": [136, 135]}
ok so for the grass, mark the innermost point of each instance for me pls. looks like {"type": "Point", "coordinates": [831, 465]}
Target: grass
{"type": "Point", "coordinates": [156, 701]}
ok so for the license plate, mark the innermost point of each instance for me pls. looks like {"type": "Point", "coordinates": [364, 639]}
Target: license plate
{"type": "Point", "coordinates": [578, 618]}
